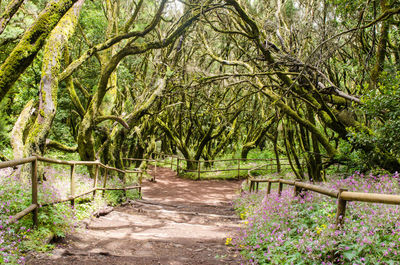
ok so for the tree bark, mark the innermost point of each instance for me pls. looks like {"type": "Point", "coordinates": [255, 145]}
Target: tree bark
{"type": "Point", "coordinates": [53, 55]}
{"type": "Point", "coordinates": [17, 133]}
{"type": "Point", "coordinates": [31, 42]}
{"type": "Point", "coordinates": [8, 13]}
{"type": "Point", "coordinates": [380, 52]}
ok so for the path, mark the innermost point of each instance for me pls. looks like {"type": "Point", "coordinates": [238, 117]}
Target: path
{"type": "Point", "coordinates": [178, 222]}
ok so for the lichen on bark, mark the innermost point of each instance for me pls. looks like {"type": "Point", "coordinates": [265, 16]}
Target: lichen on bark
{"type": "Point", "coordinates": [30, 44]}
{"type": "Point", "coordinates": [53, 54]}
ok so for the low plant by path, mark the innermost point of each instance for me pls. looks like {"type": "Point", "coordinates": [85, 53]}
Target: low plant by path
{"type": "Point", "coordinates": [289, 230]}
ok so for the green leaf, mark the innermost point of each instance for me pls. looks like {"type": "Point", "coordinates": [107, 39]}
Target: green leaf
{"type": "Point", "coordinates": [349, 254]}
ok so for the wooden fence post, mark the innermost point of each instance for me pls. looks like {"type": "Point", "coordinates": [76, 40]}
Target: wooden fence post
{"type": "Point", "coordinates": [198, 169]}
{"type": "Point", "coordinates": [268, 187]}
{"type": "Point", "coordinates": [105, 181]}
{"type": "Point", "coordinates": [35, 192]}
{"type": "Point", "coordinates": [72, 183]}
{"type": "Point", "coordinates": [96, 177]}
{"type": "Point", "coordinates": [238, 168]}
{"type": "Point", "coordinates": [124, 181]}
{"type": "Point", "coordinates": [177, 166]}
{"type": "Point", "coordinates": [297, 190]}
{"type": "Point", "coordinates": [280, 188]}
{"type": "Point", "coordinates": [155, 169]}
{"type": "Point", "coordinates": [341, 209]}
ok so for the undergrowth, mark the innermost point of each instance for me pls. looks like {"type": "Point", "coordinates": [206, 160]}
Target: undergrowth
{"type": "Point", "coordinates": [56, 220]}
{"type": "Point", "coordinates": [289, 230]}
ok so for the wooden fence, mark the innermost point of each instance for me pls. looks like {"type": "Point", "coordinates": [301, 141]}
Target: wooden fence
{"type": "Point", "coordinates": [342, 195]}
{"type": "Point", "coordinates": [161, 157]}
{"type": "Point", "coordinates": [33, 160]}
{"type": "Point", "coordinates": [155, 161]}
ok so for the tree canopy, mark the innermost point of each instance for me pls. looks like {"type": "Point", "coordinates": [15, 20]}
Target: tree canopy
{"type": "Point", "coordinates": [315, 81]}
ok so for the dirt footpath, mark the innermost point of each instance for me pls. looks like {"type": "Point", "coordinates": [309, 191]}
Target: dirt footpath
{"type": "Point", "coordinates": [178, 221]}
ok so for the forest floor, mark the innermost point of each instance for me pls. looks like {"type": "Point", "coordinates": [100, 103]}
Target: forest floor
{"type": "Point", "coordinates": [178, 221]}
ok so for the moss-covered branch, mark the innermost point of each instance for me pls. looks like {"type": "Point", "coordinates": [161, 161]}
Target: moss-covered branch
{"type": "Point", "coordinates": [8, 13]}
{"type": "Point", "coordinates": [114, 118]}
{"type": "Point", "coordinates": [109, 43]}
{"type": "Point", "coordinates": [133, 17]}
{"type": "Point", "coordinates": [60, 146]}
{"type": "Point", "coordinates": [31, 42]}
{"type": "Point", "coordinates": [71, 89]}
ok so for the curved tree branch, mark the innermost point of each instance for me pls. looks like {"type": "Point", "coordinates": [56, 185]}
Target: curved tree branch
{"type": "Point", "coordinates": [60, 146]}
{"type": "Point", "coordinates": [114, 118]}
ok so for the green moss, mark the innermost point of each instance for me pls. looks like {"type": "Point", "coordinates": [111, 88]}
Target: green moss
{"type": "Point", "coordinates": [31, 42]}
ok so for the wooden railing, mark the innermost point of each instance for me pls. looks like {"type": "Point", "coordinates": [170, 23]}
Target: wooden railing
{"type": "Point", "coordinates": [177, 162]}
{"type": "Point", "coordinates": [155, 161]}
{"type": "Point", "coordinates": [33, 208]}
{"type": "Point", "coordinates": [342, 195]}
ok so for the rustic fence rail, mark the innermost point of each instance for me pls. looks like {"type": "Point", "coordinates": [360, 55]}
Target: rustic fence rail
{"type": "Point", "coordinates": [33, 208]}
{"type": "Point", "coordinates": [177, 161]}
{"type": "Point", "coordinates": [342, 195]}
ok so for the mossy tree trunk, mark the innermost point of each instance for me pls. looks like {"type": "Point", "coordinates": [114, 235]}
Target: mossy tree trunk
{"type": "Point", "coordinates": [118, 134]}
{"type": "Point", "coordinates": [8, 13]}
{"type": "Point", "coordinates": [17, 133]}
{"type": "Point", "coordinates": [31, 42]}
{"type": "Point", "coordinates": [381, 50]}
{"type": "Point", "coordinates": [85, 137]}
{"type": "Point", "coordinates": [254, 139]}
{"type": "Point", "coordinates": [53, 55]}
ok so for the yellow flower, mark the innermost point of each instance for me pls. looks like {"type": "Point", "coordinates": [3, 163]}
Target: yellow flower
{"type": "Point", "coordinates": [243, 215]}
{"type": "Point", "coordinates": [228, 241]}
{"type": "Point", "coordinates": [320, 229]}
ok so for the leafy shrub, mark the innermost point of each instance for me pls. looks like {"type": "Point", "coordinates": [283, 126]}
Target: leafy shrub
{"type": "Point", "coordinates": [382, 110]}
{"type": "Point", "coordinates": [5, 126]}
{"type": "Point", "coordinates": [289, 230]}
{"type": "Point", "coordinates": [11, 234]}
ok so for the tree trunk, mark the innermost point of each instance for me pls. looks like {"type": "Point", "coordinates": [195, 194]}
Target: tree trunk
{"type": "Point", "coordinates": [17, 133]}
{"type": "Point", "coordinates": [53, 55]}
{"type": "Point", "coordinates": [381, 50]}
{"type": "Point", "coordinates": [30, 44]}
{"type": "Point", "coordinates": [8, 13]}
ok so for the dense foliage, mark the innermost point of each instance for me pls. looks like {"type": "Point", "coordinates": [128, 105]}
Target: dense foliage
{"type": "Point", "coordinates": [382, 111]}
{"type": "Point", "coordinates": [315, 82]}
